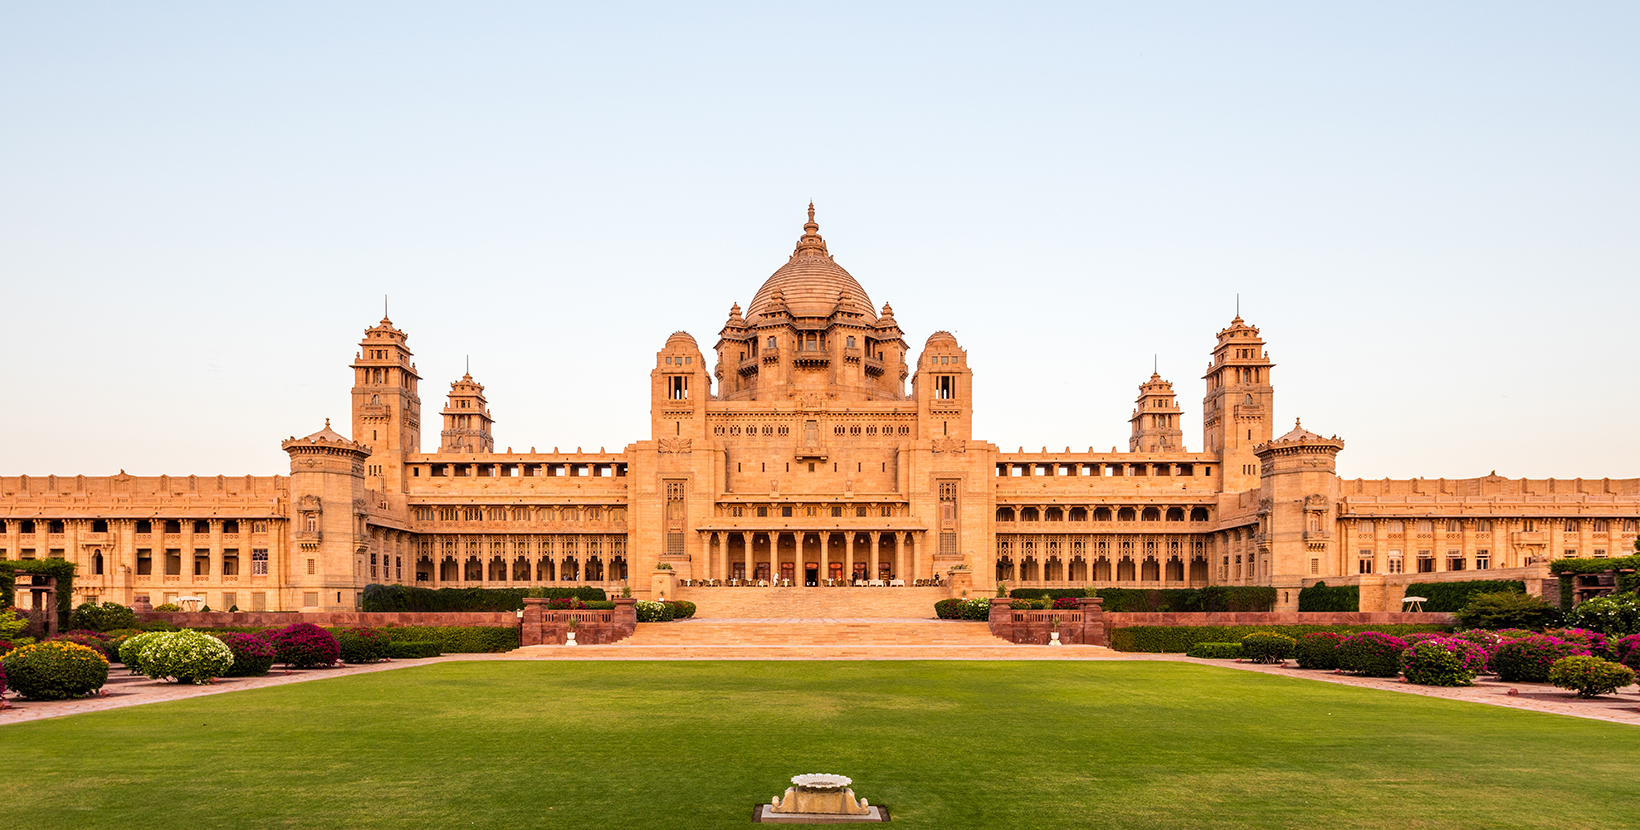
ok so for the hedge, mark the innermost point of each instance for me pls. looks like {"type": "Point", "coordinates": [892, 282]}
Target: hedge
{"type": "Point", "coordinates": [456, 639]}
{"type": "Point", "coordinates": [60, 568]}
{"type": "Point", "coordinates": [1048, 593]}
{"type": "Point", "coordinates": [1215, 651]}
{"type": "Point", "coordinates": [1566, 568]}
{"type": "Point", "coordinates": [1211, 598]}
{"type": "Point", "coordinates": [1173, 639]}
{"type": "Point", "coordinates": [1453, 596]}
{"type": "Point", "coordinates": [413, 598]}
{"type": "Point", "coordinates": [411, 649]}
{"type": "Point", "coordinates": [1321, 597]}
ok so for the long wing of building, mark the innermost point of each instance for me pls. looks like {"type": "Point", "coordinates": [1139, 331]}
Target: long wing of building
{"type": "Point", "coordinates": [812, 446]}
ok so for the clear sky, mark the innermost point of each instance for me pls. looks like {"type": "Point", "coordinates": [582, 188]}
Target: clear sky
{"type": "Point", "coordinates": [1429, 208]}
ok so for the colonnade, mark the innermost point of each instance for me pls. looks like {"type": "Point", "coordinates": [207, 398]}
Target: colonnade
{"type": "Point", "coordinates": [813, 556]}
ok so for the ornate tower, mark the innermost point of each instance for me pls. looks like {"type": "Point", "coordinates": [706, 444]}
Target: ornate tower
{"type": "Point", "coordinates": [944, 389]}
{"type": "Point", "coordinates": [386, 406]}
{"type": "Point", "coordinates": [1298, 513]}
{"type": "Point", "coordinates": [329, 505]}
{"type": "Point", "coordinates": [1156, 419]}
{"type": "Point", "coordinates": [1239, 405]}
{"type": "Point", "coordinates": [678, 390]}
{"type": "Point", "coordinates": [468, 427]}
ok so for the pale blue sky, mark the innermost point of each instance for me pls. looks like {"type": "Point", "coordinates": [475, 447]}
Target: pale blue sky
{"type": "Point", "coordinates": [1430, 209]}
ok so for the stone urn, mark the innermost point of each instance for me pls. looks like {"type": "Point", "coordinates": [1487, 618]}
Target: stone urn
{"type": "Point", "coordinates": [1053, 639]}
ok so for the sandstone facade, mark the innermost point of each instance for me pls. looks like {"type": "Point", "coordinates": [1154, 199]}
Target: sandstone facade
{"type": "Point", "coordinates": [797, 451]}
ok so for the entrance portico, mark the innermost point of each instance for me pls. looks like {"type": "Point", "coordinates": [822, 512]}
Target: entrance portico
{"type": "Point", "coordinates": [811, 558]}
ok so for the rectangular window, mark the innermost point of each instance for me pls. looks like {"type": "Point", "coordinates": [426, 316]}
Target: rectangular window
{"type": "Point", "coordinates": [674, 543]}
{"type": "Point", "coordinates": [1315, 566]}
{"type": "Point", "coordinates": [1570, 552]}
{"type": "Point", "coordinates": [1483, 560]}
{"type": "Point", "coordinates": [230, 600]}
{"type": "Point", "coordinates": [1396, 563]}
{"type": "Point", "coordinates": [1455, 560]}
{"type": "Point", "coordinates": [1365, 565]}
{"type": "Point", "coordinates": [259, 563]}
{"type": "Point", "coordinates": [313, 568]}
{"type": "Point", "coordinates": [145, 562]}
{"type": "Point", "coordinates": [1426, 562]}
{"type": "Point", "coordinates": [837, 511]}
{"type": "Point", "coordinates": [310, 599]}
{"type": "Point", "coordinates": [786, 511]}
{"type": "Point", "coordinates": [762, 512]}
{"type": "Point", "coordinates": [948, 542]}
{"type": "Point", "coordinates": [259, 601]}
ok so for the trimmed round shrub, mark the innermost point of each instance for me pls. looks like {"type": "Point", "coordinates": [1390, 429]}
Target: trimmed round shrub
{"type": "Point", "coordinates": [105, 616]}
{"type": "Point", "coordinates": [362, 645]}
{"type": "Point", "coordinates": [652, 611]}
{"type": "Point", "coordinates": [130, 651]}
{"type": "Point", "coordinates": [1371, 654]}
{"type": "Point", "coordinates": [948, 609]}
{"type": "Point", "coordinates": [1590, 676]}
{"type": "Point", "coordinates": [1318, 650]}
{"type": "Point", "coordinates": [1626, 650]}
{"type": "Point", "coordinates": [253, 654]}
{"type": "Point", "coordinates": [187, 656]}
{"type": "Point", "coordinates": [681, 609]}
{"type": "Point", "coordinates": [1215, 651]}
{"type": "Point", "coordinates": [1443, 661]}
{"type": "Point", "coordinates": [1616, 615]}
{"type": "Point", "coordinates": [55, 671]}
{"type": "Point", "coordinates": [1592, 641]}
{"type": "Point", "coordinates": [1267, 647]}
{"type": "Point", "coordinates": [304, 646]}
{"type": "Point", "coordinates": [1528, 659]}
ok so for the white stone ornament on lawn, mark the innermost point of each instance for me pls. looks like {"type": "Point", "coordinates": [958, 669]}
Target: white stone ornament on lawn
{"type": "Point", "coordinates": [819, 796]}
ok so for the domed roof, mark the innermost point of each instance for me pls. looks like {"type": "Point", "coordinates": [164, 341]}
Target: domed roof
{"type": "Point", "coordinates": [811, 282]}
{"type": "Point", "coordinates": [1299, 433]}
{"type": "Point", "coordinates": [940, 337]}
{"type": "Point", "coordinates": [682, 338]}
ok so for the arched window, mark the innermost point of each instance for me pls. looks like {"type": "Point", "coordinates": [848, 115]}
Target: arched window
{"type": "Point", "coordinates": [1198, 514]}
{"type": "Point", "coordinates": [1005, 514]}
{"type": "Point", "coordinates": [1151, 514]}
{"type": "Point", "coordinates": [1175, 514]}
{"type": "Point", "coordinates": [1101, 514]}
{"type": "Point", "coordinates": [1028, 514]}
{"type": "Point", "coordinates": [1126, 514]}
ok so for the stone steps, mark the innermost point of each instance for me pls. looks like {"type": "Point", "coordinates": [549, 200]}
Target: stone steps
{"type": "Point", "coordinates": [813, 603]}
{"type": "Point", "coordinates": [816, 633]}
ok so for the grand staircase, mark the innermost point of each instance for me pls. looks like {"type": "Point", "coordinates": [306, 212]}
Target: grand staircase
{"type": "Point", "coordinates": [813, 624]}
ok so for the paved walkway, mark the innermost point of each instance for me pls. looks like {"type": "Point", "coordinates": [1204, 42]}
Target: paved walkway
{"type": "Point", "coordinates": [125, 690]}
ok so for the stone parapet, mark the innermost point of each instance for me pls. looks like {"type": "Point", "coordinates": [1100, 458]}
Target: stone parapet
{"type": "Point", "coordinates": [347, 619]}
{"type": "Point", "coordinates": [1129, 619]}
{"type": "Point", "coordinates": [541, 625]}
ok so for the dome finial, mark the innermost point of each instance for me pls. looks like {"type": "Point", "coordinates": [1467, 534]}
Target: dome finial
{"type": "Point", "coordinates": [811, 210]}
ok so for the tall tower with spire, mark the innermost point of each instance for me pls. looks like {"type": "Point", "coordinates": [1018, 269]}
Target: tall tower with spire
{"type": "Point", "coordinates": [1239, 406]}
{"type": "Point", "coordinates": [1156, 418]}
{"type": "Point", "coordinates": [386, 405]}
{"type": "Point", "coordinates": [468, 427]}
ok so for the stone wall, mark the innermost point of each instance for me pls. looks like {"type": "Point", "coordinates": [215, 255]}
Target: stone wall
{"type": "Point", "coordinates": [1076, 626]}
{"type": "Point", "coordinates": [541, 625]}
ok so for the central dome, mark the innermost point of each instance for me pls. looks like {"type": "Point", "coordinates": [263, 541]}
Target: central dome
{"type": "Point", "coordinates": [811, 283]}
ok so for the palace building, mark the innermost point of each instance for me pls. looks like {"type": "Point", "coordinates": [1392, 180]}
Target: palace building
{"type": "Point", "coordinates": [811, 444]}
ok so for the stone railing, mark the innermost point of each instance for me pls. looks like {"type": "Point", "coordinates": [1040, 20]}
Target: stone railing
{"type": "Point", "coordinates": [548, 626]}
{"type": "Point", "coordinates": [1083, 625]}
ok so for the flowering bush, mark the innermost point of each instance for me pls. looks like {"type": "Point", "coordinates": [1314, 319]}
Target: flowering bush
{"type": "Point", "coordinates": [1589, 675]}
{"type": "Point", "coordinates": [104, 616]}
{"type": "Point", "coordinates": [1267, 647]}
{"type": "Point", "coordinates": [1515, 633]}
{"type": "Point", "coordinates": [54, 671]}
{"type": "Point", "coordinates": [1616, 615]}
{"type": "Point", "coordinates": [253, 654]}
{"type": "Point", "coordinates": [188, 656]}
{"type": "Point", "coordinates": [653, 611]}
{"type": "Point", "coordinates": [1528, 659]}
{"type": "Point", "coordinates": [89, 639]}
{"type": "Point", "coordinates": [362, 645]}
{"type": "Point", "coordinates": [565, 603]}
{"type": "Point", "coordinates": [1592, 641]}
{"type": "Point", "coordinates": [1487, 640]}
{"type": "Point", "coordinates": [1318, 650]}
{"type": "Point", "coordinates": [1419, 636]}
{"type": "Point", "coordinates": [1625, 650]}
{"type": "Point", "coordinates": [130, 650]}
{"type": "Point", "coordinates": [1371, 654]}
{"type": "Point", "coordinates": [963, 609]}
{"type": "Point", "coordinates": [304, 646]}
{"type": "Point", "coordinates": [167, 606]}
{"type": "Point", "coordinates": [1443, 661]}
{"type": "Point", "coordinates": [1067, 602]}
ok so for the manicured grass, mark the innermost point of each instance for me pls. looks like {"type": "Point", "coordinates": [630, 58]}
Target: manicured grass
{"type": "Point", "coordinates": [688, 744]}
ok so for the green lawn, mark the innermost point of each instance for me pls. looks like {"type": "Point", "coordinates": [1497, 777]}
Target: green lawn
{"type": "Point", "coordinates": [942, 744]}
